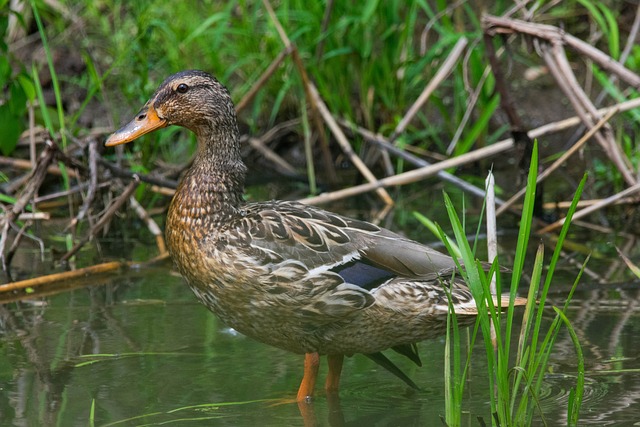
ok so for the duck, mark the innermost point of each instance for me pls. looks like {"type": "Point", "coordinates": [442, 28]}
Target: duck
{"type": "Point", "coordinates": [290, 275]}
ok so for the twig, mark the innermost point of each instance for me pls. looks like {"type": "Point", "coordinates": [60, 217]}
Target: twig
{"type": "Point", "coordinates": [151, 224]}
{"type": "Point", "coordinates": [493, 149]}
{"type": "Point", "coordinates": [72, 190]}
{"type": "Point", "coordinates": [57, 277]}
{"type": "Point", "coordinates": [560, 161]}
{"type": "Point", "coordinates": [597, 206]}
{"type": "Point", "coordinates": [26, 165]}
{"type": "Point", "coordinates": [248, 97]}
{"type": "Point", "coordinates": [440, 75]}
{"type": "Point", "coordinates": [93, 184]}
{"type": "Point", "coordinates": [416, 161]}
{"type": "Point", "coordinates": [271, 155]}
{"type": "Point", "coordinates": [125, 173]}
{"type": "Point", "coordinates": [260, 145]}
{"type": "Point", "coordinates": [105, 218]}
{"type": "Point", "coordinates": [584, 203]}
{"type": "Point", "coordinates": [31, 216]}
{"type": "Point", "coordinates": [33, 184]}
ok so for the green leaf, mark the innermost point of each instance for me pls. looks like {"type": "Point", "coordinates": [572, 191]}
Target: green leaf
{"type": "Point", "coordinates": [27, 86]}
{"type": "Point", "coordinates": [10, 129]}
{"type": "Point", "coordinates": [18, 101]}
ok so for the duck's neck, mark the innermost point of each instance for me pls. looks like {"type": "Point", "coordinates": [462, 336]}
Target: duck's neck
{"type": "Point", "coordinates": [214, 184]}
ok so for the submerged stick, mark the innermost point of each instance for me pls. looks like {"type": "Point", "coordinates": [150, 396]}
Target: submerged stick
{"type": "Point", "coordinates": [59, 277]}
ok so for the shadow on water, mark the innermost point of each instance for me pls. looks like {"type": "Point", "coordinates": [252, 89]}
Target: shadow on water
{"type": "Point", "coordinates": [144, 352]}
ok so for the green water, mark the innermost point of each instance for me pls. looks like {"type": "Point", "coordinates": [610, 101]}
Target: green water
{"type": "Point", "coordinates": [144, 352]}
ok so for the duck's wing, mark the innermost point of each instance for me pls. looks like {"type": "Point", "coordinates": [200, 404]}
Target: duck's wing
{"type": "Point", "coordinates": [328, 260]}
{"type": "Point", "coordinates": [323, 240]}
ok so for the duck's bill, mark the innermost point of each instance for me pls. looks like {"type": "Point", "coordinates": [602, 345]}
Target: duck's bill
{"type": "Point", "coordinates": [145, 121]}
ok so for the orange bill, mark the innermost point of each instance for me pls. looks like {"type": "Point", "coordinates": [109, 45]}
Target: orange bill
{"type": "Point", "coordinates": [146, 121]}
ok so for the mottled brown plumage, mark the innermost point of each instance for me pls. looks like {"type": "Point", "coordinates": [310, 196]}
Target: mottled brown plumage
{"type": "Point", "coordinates": [293, 276]}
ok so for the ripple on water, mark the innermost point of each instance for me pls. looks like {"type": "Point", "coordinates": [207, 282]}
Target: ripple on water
{"type": "Point", "coordinates": [555, 393]}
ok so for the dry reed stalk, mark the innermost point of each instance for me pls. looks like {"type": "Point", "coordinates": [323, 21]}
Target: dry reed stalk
{"type": "Point", "coordinates": [561, 160]}
{"type": "Point", "coordinates": [596, 206]}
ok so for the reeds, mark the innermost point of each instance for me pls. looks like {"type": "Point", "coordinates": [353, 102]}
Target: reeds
{"type": "Point", "coordinates": [516, 370]}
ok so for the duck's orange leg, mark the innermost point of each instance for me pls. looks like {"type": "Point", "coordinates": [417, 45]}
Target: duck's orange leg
{"type": "Point", "coordinates": [332, 384]}
{"type": "Point", "coordinates": [311, 364]}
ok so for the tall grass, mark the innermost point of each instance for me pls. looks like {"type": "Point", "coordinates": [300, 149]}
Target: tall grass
{"type": "Point", "coordinates": [515, 370]}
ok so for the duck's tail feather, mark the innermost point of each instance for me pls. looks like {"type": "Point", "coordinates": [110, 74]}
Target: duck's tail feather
{"type": "Point", "coordinates": [469, 307]}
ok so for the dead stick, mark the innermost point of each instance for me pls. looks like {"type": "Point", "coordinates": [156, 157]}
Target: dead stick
{"type": "Point", "coordinates": [440, 75]}
{"type": "Point", "coordinates": [584, 203]}
{"type": "Point", "coordinates": [268, 153]}
{"type": "Point", "coordinates": [324, 142]}
{"type": "Point", "coordinates": [597, 206]}
{"type": "Point", "coordinates": [151, 224]}
{"type": "Point", "coordinates": [33, 184]}
{"type": "Point", "coordinates": [346, 147]}
{"type": "Point", "coordinates": [75, 189]}
{"type": "Point", "coordinates": [482, 152]}
{"type": "Point", "coordinates": [124, 173]}
{"type": "Point", "coordinates": [560, 161]}
{"type": "Point", "coordinates": [248, 97]}
{"type": "Point", "coordinates": [105, 218]}
{"type": "Point", "coordinates": [501, 25]}
{"type": "Point", "coordinates": [93, 184]}
{"type": "Point", "coordinates": [574, 121]}
{"type": "Point", "coordinates": [67, 275]}
{"type": "Point", "coordinates": [414, 175]}
{"type": "Point", "coordinates": [558, 65]}
{"type": "Point", "coordinates": [416, 161]}
{"type": "Point", "coordinates": [26, 165]}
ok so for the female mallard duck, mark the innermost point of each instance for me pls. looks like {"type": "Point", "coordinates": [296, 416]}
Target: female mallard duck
{"type": "Point", "coordinates": [293, 276]}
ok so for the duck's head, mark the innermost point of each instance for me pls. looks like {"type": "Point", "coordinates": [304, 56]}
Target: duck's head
{"type": "Point", "coordinates": [192, 99]}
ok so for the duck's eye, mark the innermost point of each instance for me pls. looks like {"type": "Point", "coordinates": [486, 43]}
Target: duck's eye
{"type": "Point", "coordinates": [182, 88]}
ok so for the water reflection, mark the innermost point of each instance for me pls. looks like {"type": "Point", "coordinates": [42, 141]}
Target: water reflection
{"type": "Point", "coordinates": [144, 352]}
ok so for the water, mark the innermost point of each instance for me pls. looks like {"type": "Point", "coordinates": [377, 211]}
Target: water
{"type": "Point", "coordinates": [145, 352]}
{"type": "Point", "coordinates": [140, 350]}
